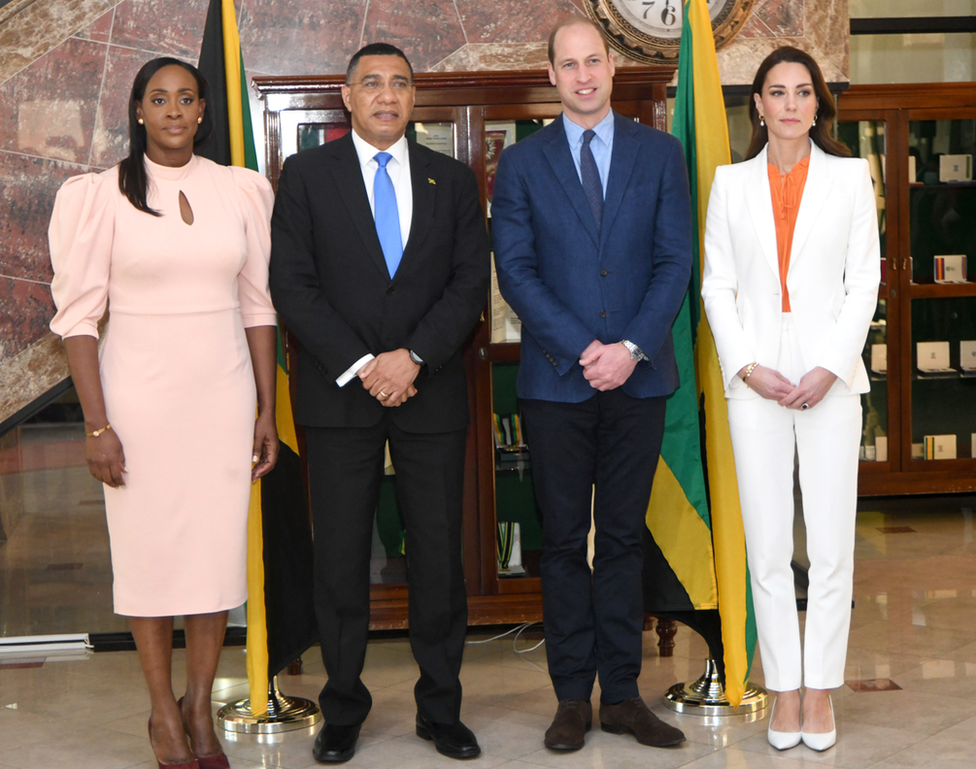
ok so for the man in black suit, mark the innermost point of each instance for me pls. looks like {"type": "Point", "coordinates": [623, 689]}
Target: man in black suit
{"type": "Point", "coordinates": [380, 268]}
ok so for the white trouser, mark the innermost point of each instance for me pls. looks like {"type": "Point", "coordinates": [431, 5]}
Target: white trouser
{"type": "Point", "coordinates": [826, 438]}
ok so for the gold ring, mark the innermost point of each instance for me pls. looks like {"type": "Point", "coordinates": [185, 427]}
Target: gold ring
{"type": "Point", "coordinates": [384, 394]}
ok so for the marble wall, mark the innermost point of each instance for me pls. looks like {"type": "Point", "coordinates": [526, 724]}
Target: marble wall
{"type": "Point", "coordinates": [66, 67]}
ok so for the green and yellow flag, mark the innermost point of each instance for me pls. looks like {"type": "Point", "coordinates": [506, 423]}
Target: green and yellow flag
{"type": "Point", "coordinates": [280, 617]}
{"type": "Point", "coordinates": [700, 124]}
{"type": "Point", "coordinates": [679, 561]}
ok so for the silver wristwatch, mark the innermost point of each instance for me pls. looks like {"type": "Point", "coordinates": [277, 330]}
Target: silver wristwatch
{"type": "Point", "coordinates": [635, 352]}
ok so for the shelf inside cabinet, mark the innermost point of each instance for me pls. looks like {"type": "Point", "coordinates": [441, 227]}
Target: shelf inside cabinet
{"type": "Point", "coordinates": [503, 351]}
{"type": "Point", "coordinates": [941, 290]}
{"type": "Point", "coordinates": [933, 376]}
{"type": "Point", "coordinates": [940, 185]}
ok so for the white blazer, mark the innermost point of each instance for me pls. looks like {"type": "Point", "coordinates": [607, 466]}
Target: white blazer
{"type": "Point", "coordinates": [833, 276]}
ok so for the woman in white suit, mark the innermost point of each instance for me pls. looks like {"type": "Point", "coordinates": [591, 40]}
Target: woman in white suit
{"type": "Point", "coordinates": [790, 284]}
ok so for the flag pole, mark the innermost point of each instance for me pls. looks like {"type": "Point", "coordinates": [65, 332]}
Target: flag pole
{"type": "Point", "coordinates": [699, 100]}
{"type": "Point", "coordinates": [232, 143]}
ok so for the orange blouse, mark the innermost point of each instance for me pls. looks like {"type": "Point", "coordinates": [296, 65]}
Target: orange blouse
{"type": "Point", "coordinates": [787, 191]}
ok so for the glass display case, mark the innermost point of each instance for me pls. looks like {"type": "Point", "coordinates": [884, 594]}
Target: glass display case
{"type": "Point", "coordinates": [510, 502]}
{"type": "Point", "coordinates": [921, 351]}
{"type": "Point", "coordinates": [471, 116]}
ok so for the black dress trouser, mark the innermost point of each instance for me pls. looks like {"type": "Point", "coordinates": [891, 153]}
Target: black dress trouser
{"type": "Point", "coordinates": [345, 467]}
{"type": "Point", "coordinates": [593, 622]}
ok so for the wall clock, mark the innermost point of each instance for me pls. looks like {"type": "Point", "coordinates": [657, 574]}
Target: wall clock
{"type": "Point", "coordinates": [650, 30]}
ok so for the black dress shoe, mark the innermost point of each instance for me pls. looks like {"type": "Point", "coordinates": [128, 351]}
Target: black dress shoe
{"type": "Point", "coordinates": [335, 743]}
{"type": "Point", "coordinates": [451, 740]}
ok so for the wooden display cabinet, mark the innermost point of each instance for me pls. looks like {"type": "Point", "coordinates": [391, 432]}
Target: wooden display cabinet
{"type": "Point", "coordinates": [464, 114]}
{"type": "Point", "coordinates": [923, 215]}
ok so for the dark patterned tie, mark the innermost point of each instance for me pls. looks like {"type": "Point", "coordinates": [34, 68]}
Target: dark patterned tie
{"type": "Point", "coordinates": [592, 186]}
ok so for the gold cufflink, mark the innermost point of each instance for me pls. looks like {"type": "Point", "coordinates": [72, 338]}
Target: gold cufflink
{"type": "Point", "coordinates": [431, 181]}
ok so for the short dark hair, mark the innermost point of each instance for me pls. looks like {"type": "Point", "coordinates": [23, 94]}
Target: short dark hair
{"type": "Point", "coordinates": [570, 21]}
{"type": "Point", "coordinates": [132, 169]}
{"type": "Point", "coordinates": [375, 49]}
{"type": "Point", "coordinates": [822, 132]}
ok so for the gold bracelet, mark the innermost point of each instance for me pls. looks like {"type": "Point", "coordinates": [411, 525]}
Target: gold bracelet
{"type": "Point", "coordinates": [752, 367]}
{"type": "Point", "coordinates": [96, 433]}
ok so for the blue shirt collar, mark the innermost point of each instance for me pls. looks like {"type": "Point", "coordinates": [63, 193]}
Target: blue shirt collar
{"type": "Point", "coordinates": [603, 129]}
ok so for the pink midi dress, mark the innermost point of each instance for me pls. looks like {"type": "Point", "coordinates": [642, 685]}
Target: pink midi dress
{"type": "Point", "coordinates": [175, 369]}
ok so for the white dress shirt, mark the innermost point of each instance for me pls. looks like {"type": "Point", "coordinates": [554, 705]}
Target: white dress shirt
{"type": "Point", "coordinates": [399, 170]}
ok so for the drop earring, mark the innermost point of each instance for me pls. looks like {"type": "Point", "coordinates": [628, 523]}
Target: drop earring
{"type": "Point", "coordinates": [762, 121]}
{"type": "Point", "coordinates": [814, 121]}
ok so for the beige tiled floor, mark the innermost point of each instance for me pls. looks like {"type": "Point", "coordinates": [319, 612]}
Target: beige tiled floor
{"type": "Point", "coordinates": [914, 622]}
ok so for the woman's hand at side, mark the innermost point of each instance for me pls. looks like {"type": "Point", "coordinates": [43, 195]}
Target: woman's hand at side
{"type": "Point", "coordinates": [262, 343]}
{"type": "Point", "coordinates": [265, 445]}
{"type": "Point", "coordinates": [106, 460]}
{"type": "Point", "coordinates": [811, 390]}
{"type": "Point", "coordinates": [768, 382]}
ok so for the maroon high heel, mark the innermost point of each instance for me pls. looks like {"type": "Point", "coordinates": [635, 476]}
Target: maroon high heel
{"type": "Point", "coordinates": [217, 761]}
{"type": "Point", "coordinates": [214, 762]}
{"type": "Point", "coordinates": [194, 764]}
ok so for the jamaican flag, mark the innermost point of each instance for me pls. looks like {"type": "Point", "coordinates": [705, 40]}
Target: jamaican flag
{"type": "Point", "coordinates": [696, 524]}
{"type": "Point", "coordinates": [280, 615]}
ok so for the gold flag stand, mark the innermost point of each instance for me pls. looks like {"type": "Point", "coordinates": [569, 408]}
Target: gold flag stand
{"type": "Point", "coordinates": [706, 697]}
{"type": "Point", "coordinates": [284, 714]}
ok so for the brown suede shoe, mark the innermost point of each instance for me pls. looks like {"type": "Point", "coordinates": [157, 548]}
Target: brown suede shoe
{"type": "Point", "coordinates": [634, 716]}
{"type": "Point", "coordinates": [573, 720]}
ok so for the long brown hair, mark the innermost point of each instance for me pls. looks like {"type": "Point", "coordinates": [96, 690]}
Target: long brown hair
{"type": "Point", "coordinates": [822, 132]}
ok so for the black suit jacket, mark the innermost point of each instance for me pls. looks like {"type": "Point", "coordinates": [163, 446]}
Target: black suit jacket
{"type": "Point", "coordinates": [330, 284]}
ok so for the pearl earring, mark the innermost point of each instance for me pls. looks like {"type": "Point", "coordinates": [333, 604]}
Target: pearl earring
{"type": "Point", "coordinates": [762, 121]}
{"type": "Point", "coordinates": [200, 120]}
{"type": "Point", "coordinates": [814, 121]}
{"type": "Point", "coordinates": [139, 121]}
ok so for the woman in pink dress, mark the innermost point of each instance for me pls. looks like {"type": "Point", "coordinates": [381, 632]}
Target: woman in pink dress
{"type": "Point", "coordinates": [176, 248]}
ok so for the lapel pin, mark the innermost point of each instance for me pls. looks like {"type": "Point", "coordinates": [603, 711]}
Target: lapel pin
{"type": "Point", "coordinates": [431, 181]}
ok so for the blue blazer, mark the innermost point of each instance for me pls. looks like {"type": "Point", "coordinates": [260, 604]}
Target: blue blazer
{"type": "Point", "coordinates": [570, 284]}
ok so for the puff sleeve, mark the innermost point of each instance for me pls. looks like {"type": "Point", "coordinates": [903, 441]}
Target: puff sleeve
{"type": "Point", "coordinates": [81, 236]}
{"type": "Point", "coordinates": [257, 200]}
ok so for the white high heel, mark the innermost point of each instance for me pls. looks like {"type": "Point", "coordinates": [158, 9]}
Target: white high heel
{"type": "Point", "coordinates": [825, 740]}
{"type": "Point", "coordinates": [781, 740]}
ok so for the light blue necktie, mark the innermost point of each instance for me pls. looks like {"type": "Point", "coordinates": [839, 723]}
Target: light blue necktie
{"type": "Point", "coordinates": [386, 215]}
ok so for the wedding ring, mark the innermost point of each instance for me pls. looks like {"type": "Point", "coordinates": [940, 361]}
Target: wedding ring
{"type": "Point", "coordinates": [383, 394]}
{"type": "Point", "coordinates": [805, 406]}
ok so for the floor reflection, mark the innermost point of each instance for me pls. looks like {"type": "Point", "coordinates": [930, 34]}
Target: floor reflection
{"type": "Point", "coordinates": [55, 575]}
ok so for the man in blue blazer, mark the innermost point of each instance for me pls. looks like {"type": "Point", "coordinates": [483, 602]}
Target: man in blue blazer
{"type": "Point", "coordinates": [592, 226]}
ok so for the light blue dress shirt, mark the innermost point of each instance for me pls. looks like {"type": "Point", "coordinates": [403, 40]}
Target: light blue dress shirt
{"type": "Point", "coordinates": [601, 146]}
